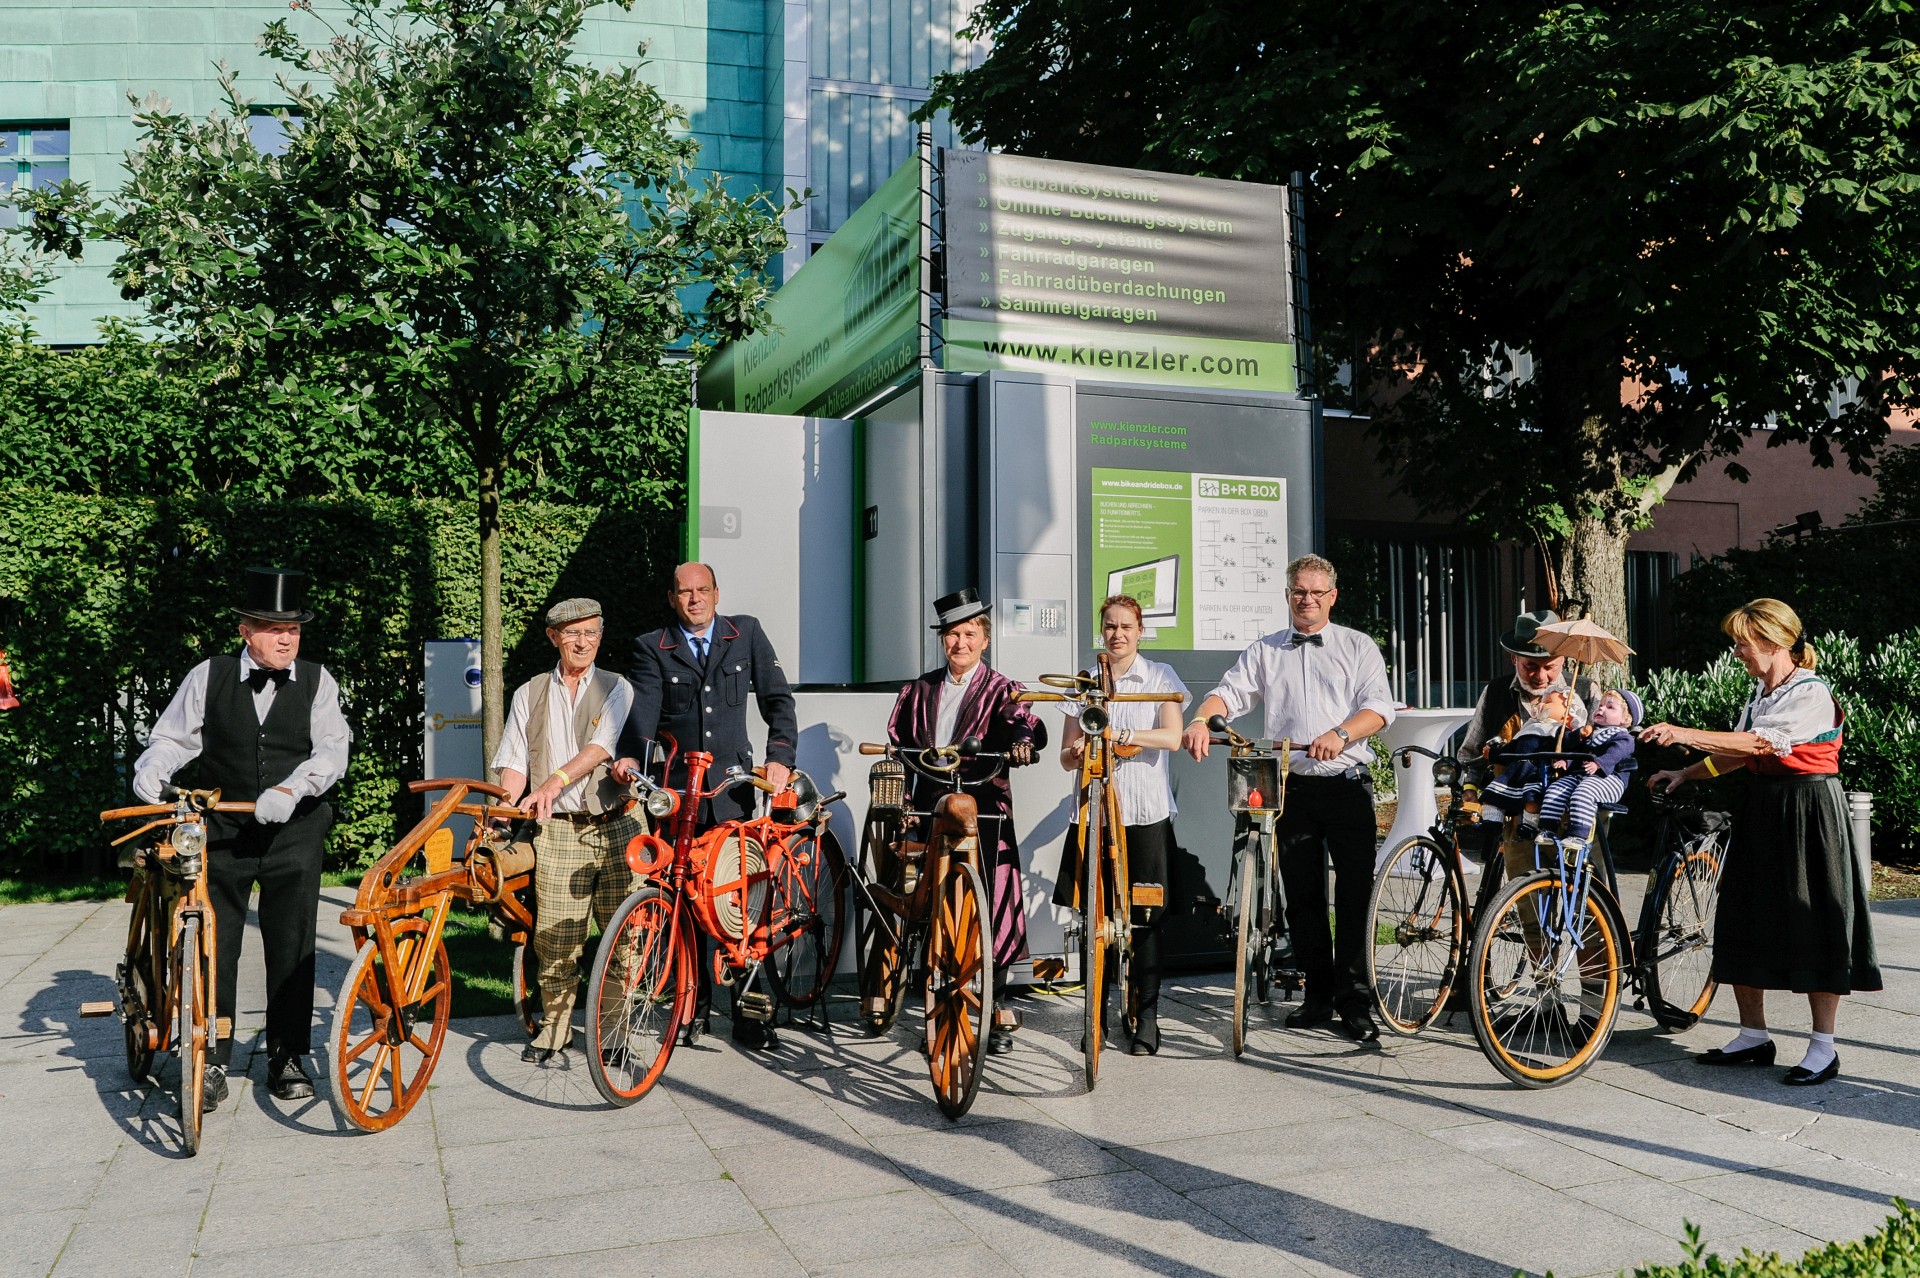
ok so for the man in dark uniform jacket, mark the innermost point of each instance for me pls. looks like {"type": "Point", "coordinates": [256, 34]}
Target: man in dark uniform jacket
{"type": "Point", "coordinates": [691, 681]}
{"type": "Point", "coordinates": [265, 728]}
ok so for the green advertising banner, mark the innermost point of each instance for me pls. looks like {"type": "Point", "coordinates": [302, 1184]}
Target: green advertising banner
{"type": "Point", "coordinates": [1115, 274]}
{"type": "Point", "coordinates": [844, 327]}
{"type": "Point", "coordinates": [1205, 555]}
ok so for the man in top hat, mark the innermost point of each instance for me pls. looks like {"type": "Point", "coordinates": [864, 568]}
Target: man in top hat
{"type": "Point", "coordinates": [691, 681]}
{"type": "Point", "coordinates": [561, 732]}
{"type": "Point", "coordinates": [1508, 704]}
{"type": "Point", "coordinates": [262, 727]}
{"type": "Point", "coordinates": [965, 698]}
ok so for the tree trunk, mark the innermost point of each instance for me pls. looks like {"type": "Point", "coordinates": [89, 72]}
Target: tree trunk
{"type": "Point", "coordinates": [493, 686]}
{"type": "Point", "coordinates": [1593, 575]}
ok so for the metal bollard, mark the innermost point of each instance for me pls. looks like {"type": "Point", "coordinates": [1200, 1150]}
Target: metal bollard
{"type": "Point", "coordinates": [1860, 823]}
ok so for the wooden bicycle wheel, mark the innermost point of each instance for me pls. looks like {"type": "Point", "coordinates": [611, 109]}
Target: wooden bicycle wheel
{"type": "Point", "coordinates": [1119, 898]}
{"type": "Point", "coordinates": [1545, 984]}
{"type": "Point", "coordinates": [1247, 929]}
{"type": "Point", "coordinates": [1418, 937]}
{"type": "Point", "coordinates": [135, 979]}
{"type": "Point", "coordinates": [810, 909]}
{"type": "Point", "coordinates": [191, 991]}
{"type": "Point", "coordinates": [526, 987]}
{"type": "Point", "coordinates": [1093, 932]}
{"type": "Point", "coordinates": [380, 1063]}
{"type": "Point", "coordinates": [959, 989]}
{"type": "Point", "coordinates": [883, 988]}
{"type": "Point", "coordinates": [635, 1000]}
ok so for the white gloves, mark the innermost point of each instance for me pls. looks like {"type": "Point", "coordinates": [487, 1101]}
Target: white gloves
{"type": "Point", "coordinates": [147, 785]}
{"type": "Point", "coordinates": [273, 807]}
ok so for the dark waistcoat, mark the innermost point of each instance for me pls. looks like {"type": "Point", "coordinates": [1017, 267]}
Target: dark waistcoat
{"type": "Point", "coordinates": [239, 755]}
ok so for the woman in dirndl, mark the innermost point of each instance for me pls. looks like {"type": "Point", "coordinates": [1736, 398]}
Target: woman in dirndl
{"type": "Point", "coordinates": [1793, 909]}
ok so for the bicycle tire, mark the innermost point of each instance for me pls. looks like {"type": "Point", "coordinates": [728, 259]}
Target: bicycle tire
{"type": "Point", "coordinates": [879, 938]}
{"type": "Point", "coordinates": [802, 968]}
{"type": "Point", "coordinates": [1246, 922]}
{"type": "Point", "coordinates": [1521, 990]}
{"type": "Point", "coordinates": [374, 1043]}
{"type": "Point", "coordinates": [136, 988]}
{"type": "Point", "coordinates": [527, 1002]}
{"type": "Point", "coordinates": [1675, 948]}
{"type": "Point", "coordinates": [637, 996]}
{"type": "Point", "coordinates": [1119, 897]}
{"type": "Point", "coordinates": [1093, 935]}
{"type": "Point", "coordinates": [959, 989]}
{"type": "Point", "coordinates": [190, 989]}
{"type": "Point", "coordinates": [1417, 929]}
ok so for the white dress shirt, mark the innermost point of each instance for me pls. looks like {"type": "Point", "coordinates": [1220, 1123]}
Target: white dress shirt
{"type": "Point", "coordinates": [1309, 688]}
{"type": "Point", "coordinates": [603, 732]}
{"type": "Point", "coordinates": [953, 694]}
{"type": "Point", "coordinates": [175, 739]}
{"type": "Point", "coordinates": [1145, 781]}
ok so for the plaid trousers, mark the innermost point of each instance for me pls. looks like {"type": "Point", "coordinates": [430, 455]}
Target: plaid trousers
{"type": "Point", "coordinates": [578, 870]}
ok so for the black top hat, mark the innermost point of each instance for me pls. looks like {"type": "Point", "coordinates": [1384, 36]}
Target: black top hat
{"type": "Point", "coordinates": [276, 594]}
{"type": "Point", "coordinates": [961, 605]}
{"type": "Point", "coordinates": [1522, 640]}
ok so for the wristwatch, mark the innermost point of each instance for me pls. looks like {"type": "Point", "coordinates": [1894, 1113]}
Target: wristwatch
{"type": "Point", "coordinates": [1342, 733]}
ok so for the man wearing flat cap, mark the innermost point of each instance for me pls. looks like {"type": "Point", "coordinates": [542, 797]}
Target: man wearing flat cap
{"type": "Point", "coordinates": [1507, 705]}
{"type": "Point", "coordinates": [559, 740]}
{"type": "Point", "coordinates": [262, 727]}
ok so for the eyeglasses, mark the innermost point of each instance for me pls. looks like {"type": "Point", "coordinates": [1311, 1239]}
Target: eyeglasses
{"type": "Point", "coordinates": [580, 636]}
{"type": "Point", "coordinates": [1304, 595]}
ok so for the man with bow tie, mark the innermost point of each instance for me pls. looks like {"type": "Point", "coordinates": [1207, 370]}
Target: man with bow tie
{"type": "Point", "coordinates": [262, 727]}
{"type": "Point", "coordinates": [691, 681]}
{"type": "Point", "coordinates": [1326, 685]}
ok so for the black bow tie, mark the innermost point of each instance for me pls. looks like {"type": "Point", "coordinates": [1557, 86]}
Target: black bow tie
{"type": "Point", "coordinates": [1314, 639]}
{"type": "Point", "coordinates": [260, 676]}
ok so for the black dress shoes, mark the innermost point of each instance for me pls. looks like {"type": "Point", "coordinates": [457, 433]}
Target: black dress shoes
{"type": "Point", "coordinates": [287, 1078]}
{"type": "Point", "coordinates": [1311, 1013]}
{"type": "Point", "coordinates": [1357, 1021]}
{"type": "Point", "coordinates": [533, 1054]}
{"type": "Point", "coordinates": [213, 1088]}
{"type": "Point", "coordinates": [1000, 1041]}
{"type": "Point", "coordinates": [1146, 1035]}
{"type": "Point", "coordinates": [1758, 1054]}
{"type": "Point", "coordinates": [1801, 1076]}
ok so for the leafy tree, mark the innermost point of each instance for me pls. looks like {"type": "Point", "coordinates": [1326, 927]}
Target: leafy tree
{"type": "Point", "coordinates": [1586, 249]}
{"type": "Point", "coordinates": [468, 231]}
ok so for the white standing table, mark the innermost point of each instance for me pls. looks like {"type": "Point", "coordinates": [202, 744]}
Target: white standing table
{"type": "Point", "coordinates": [1417, 810]}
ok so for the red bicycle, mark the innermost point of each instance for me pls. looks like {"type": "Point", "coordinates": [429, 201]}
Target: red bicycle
{"type": "Point", "coordinates": [771, 892]}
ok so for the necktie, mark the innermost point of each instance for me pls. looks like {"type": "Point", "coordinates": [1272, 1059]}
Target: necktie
{"type": "Point", "coordinates": [260, 676]}
{"type": "Point", "coordinates": [700, 650]}
{"type": "Point", "coordinates": [1299, 639]}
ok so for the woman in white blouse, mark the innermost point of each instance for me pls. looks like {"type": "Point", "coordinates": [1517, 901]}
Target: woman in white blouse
{"type": "Point", "coordinates": [1144, 782]}
{"type": "Point", "coordinates": [1793, 911]}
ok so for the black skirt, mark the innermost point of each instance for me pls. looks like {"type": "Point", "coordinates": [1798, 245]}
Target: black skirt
{"type": "Point", "coordinates": [1793, 912]}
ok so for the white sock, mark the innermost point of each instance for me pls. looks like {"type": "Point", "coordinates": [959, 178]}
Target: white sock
{"type": "Point", "coordinates": [1820, 1053]}
{"type": "Point", "coordinates": [1747, 1038]}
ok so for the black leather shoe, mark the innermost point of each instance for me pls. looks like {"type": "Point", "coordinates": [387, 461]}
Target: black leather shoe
{"type": "Point", "coordinates": [754, 1034]}
{"type": "Point", "coordinates": [1758, 1054]}
{"type": "Point", "coordinates": [533, 1054]}
{"type": "Point", "coordinates": [1000, 1041]}
{"type": "Point", "coordinates": [1801, 1076]}
{"type": "Point", "coordinates": [696, 1029]}
{"type": "Point", "coordinates": [1146, 1036]}
{"type": "Point", "coordinates": [1309, 1014]}
{"type": "Point", "coordinates": [213, 1088]}
{"type": "Point", "coordinates": [1358, 1023]}
{"type": "Point", "coordinates": [287, 1078]}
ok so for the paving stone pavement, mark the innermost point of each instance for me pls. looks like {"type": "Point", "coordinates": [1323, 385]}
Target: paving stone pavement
{"type": "Point", "coordinates": [827, 1156]}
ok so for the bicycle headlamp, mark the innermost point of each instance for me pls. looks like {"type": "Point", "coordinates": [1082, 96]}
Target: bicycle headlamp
{"type": "Point", "coordinates": [1446, 772]}
{"type": "Point", "coordinates": [1093, 721]}
{"type": "Point", "coordinates": [662, 803]}
{"type": "Point", "coordinates": [189, 838]}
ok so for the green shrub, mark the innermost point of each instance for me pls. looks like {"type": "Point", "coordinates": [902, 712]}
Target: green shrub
{"type": "Point", "coordinates": [1882, 744]}
{"type": "Point", "coordinates": [106, 602]}
{"type": "Point", "coordinates": [1892, 1251]}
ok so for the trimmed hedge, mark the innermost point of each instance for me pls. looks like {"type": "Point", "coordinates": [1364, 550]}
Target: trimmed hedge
{"type": "Point", "coordinates": [1892, 1251]}
{"type": "Point", "coordinates": [1882, 744]}
{"type": "Point", "coordinates": [105, 603]}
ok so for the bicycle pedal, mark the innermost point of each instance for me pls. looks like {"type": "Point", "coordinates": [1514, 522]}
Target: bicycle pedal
{"type": "Point", "coordinates": [97, 1007]}
{"type": "Point", "coordinates": [755, 1005]}
{"type": "Point", "coordinates": [1149, 894]}
{"type": "Point", "coordinates": [223, 1027]}
{"type": "Point", "coordinates": [1049, 969]}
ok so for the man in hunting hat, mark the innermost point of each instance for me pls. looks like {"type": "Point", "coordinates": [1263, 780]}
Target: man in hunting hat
{"type": "Point", "coordinates": [262, 727]}
{"type": "Point", "coordinates": [560, 736]}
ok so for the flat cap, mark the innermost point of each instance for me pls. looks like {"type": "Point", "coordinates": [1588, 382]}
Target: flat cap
{"type": "Point", "coordinates": [568, 611]}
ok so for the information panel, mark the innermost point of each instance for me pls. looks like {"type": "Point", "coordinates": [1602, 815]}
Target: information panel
{"type": "Point", "coordinates": [1115, 274]}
